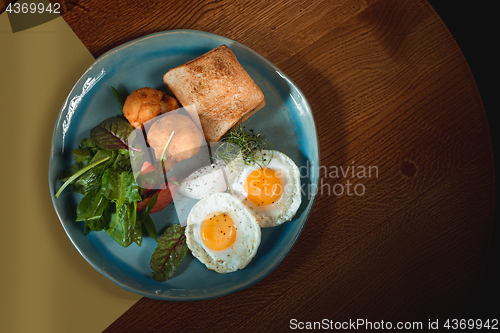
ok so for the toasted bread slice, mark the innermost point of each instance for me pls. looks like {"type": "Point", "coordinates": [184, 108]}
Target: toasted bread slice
{"type": "Point", "coordinates": [220, 89]}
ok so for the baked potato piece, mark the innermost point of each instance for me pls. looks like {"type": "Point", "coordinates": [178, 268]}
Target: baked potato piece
{"type": "Point", "coordinates": [185, 142]}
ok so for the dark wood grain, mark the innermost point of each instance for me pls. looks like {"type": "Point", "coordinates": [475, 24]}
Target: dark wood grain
{"type": "Point", "coordinates": [389, 88]}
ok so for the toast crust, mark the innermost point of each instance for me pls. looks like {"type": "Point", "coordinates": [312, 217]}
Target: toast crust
{"type": "Point", "coordinates": [219, 88]}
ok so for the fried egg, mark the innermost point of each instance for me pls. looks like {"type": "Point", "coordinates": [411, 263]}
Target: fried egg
{"type": "Point", "coordinates": [222, 233]}
{"type": "Point", "coordinates": [272, 191]}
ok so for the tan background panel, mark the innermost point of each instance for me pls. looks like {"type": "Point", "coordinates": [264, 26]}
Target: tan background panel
{"type": "Point", "coordinates": [46, 286]}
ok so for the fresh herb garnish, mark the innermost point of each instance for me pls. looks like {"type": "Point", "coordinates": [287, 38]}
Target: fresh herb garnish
{"type": "Point", "coordinates": [245, 144]}
{"type": "Point", "coordinates": [169, 253]}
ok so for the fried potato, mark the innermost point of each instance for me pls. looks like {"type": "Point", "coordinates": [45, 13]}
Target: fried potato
{"type": "Point", "coordinates": [145, 104]}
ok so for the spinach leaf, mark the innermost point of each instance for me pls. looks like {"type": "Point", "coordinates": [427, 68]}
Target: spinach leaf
{"type": "Point", "coordinates": [95, 225]}
{"type": "Point", "coordinates": [112, 133]}
{"type": "Point", "coordinates": [122, 226]}
{"type": "Point", "coordinates": [150, 226]}
{"type": "Point", "coordinates": [82, 154]}
{"type": "Point", "coordinates": [91, 179]}
{"type": "Point", "coordinates": [146, 219]}
{"type": "Point", "coordinates": [169, 253]}
{"type": "Point", "coordinates": [89, 176]}
{"type": "Point", "coordinates": [103, 174]}
{"type": "Point", "coordinates": [68, 173]}
{"type": "Point", "coordinates": [122, 161]}
{"type": "Point", "coordinates": [92, 206]}
{"type": "Point", "coordinates": [120, 187]}
{"type": "Point", "coordinates": [137, 232]}
{"type": "Point", "coordinates": [123, 191]}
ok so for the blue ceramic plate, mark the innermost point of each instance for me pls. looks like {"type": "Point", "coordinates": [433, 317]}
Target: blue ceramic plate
{"type": "Point", "coordinates": [286, 121]}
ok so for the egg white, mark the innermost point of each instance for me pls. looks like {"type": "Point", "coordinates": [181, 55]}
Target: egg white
{"type": "Point", "coordinates": [248, 234]}
{"type": "Point", "coordinates": [286, 207]}
{"type": "Point", "coordinates": [203, 182]}
{"type": "Point", "coordinates": [213, 178]}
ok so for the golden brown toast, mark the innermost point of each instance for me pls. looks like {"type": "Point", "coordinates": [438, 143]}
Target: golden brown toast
{"type": "Point", "coordinates": [220, 89]}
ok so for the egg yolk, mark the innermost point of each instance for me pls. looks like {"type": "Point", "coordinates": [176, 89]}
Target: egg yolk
{"type": "Point", "coordinates": [263, 187]}
{"type": "Point", "coordinates": [218, 231]}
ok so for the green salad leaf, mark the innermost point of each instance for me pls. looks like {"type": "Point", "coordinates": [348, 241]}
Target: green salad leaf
{"type": "Point", "coordinates": [120, 187]}
{"type": "Point", "coordinates": [103, 174]}
{"type": "Point", "coordinates": [118, 98]}
{"type": "Point", "coordinates": [169, 253]}
{"type": "Point", "coordinates": [92, 206]}
{"type": "Point", "coordinates": [85, 179]}
{"type": "Point", "coordinates": [122, 224]}
{"type": "Point", "coordinates": [112, 133]}
{"type": "Point", "coordinates": [110, 192]}
{"type": "Point", "coordinates": [146, 219]}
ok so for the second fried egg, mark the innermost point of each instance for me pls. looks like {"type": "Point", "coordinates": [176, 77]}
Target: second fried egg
{"type": "Point", "coordinates": [272, 191]}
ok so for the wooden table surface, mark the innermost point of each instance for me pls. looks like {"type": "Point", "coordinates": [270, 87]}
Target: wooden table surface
{"type": "Point", "coordinates": [390, 88]}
